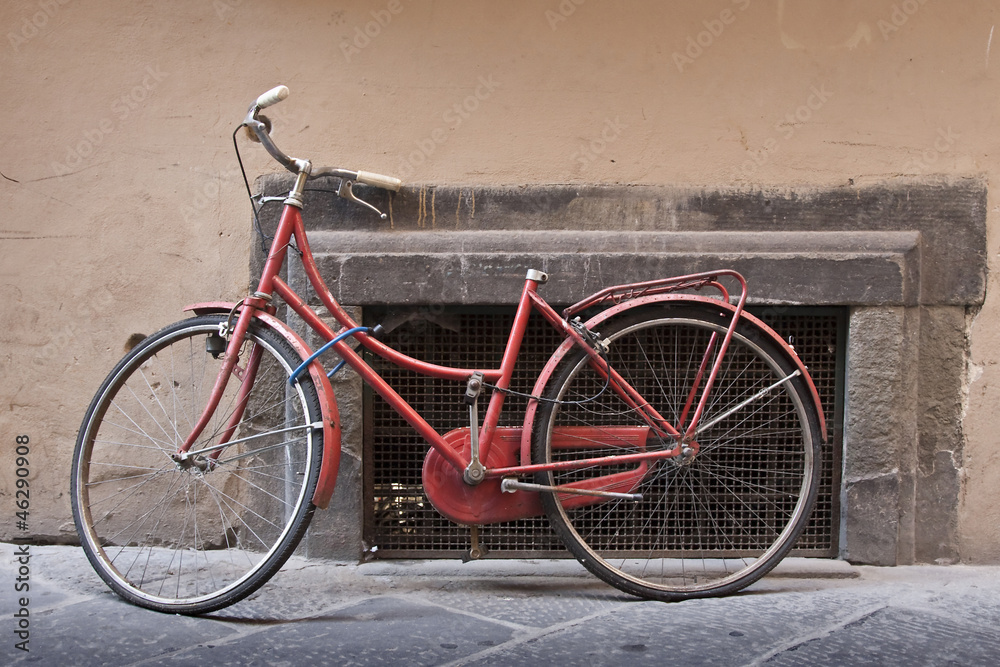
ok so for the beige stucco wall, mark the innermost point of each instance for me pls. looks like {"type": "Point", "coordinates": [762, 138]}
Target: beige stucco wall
{"type": "Point", "coordinates": [120, 201]}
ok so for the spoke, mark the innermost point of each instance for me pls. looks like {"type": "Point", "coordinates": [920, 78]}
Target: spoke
{"type": "Point", "coordinates": [155, 472]}
{"type": "Point", "coordinates": [141, 431]}
{"type": "Point", "coordinates": [247, 508]}
{"type": "Point", "coordinates": [225, 500]}
{"type": "Point", "coordinates": [751, 510]}
{"type": "Point", "coordinates": [236, 474]}
{"type": "Point", "coordinates": [315, 425]}
{"type": "Point", "coordinates": [126, 444]}
{"type": "Point", "coordinates": [740, 406]}
{"type": "Point", "coordinates": [281, 478]}
{"type": "Point", "coordinates": [655, 375]}
{"type": "Point", "coordinates": [135, 488]}
{"type": "Point", "coordinates": [728, 438]}
{"type": "Point", "coordinates": [698, 502]}
{"type": "Point", "coordinates": [163, 409]}
{"type": "Point", "coordinates": [752, 485]}
{"type": "Point", "coordinates": [149, 414]}
{"type": "Point", "coordinates": [161, 506]}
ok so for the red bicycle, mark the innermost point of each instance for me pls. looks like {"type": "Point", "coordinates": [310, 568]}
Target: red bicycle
{"type": "Point", "coordinates": [672, 438]}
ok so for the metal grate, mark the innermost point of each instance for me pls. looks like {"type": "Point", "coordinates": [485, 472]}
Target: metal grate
{"type": "Point", "coordinates": [402, 523]}
{"type": "Point", "coordinates": [819, 336]}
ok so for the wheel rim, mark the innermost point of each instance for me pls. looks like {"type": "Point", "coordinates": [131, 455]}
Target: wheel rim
{"type": "Point", "coordinates": [720, 519]}
{"type": "Point", "coordinates": [184, 536]}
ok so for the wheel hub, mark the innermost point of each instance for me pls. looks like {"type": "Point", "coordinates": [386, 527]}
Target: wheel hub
{"type": "Point", "coordinates": [687, 455]}
{"type": "Point", "coordinates": [191, 463]}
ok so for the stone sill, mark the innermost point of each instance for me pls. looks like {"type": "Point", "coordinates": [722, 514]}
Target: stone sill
{"type": "Point", "coordinates": [901, 243]}
{"type": "Point", "coordinates": [488, 267]}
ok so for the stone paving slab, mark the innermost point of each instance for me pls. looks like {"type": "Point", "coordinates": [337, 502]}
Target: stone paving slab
{"type": "Point", "coordinates": [513, 612]}
{"type": "Point", "coordinates": [376, 631]}
{"type": "Point", "coordinates": [897, 636]}
{"type": "Point", "coordinates": [729, 631]}
{"type": "Point", "coordinates": [102, 631]}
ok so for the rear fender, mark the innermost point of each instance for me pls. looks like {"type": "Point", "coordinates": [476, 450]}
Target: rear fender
{"type": "Point", "coordinates": [327, 400]}
{"type": "Point", "coordinates": [605, 315]}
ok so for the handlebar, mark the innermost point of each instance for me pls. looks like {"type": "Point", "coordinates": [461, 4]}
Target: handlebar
{"type": "Point", "coordinates": [297, 166]}
{"type": "Point", "coordinates": [379, 181]}
{"type": "Point", "coordinates": [272, 96]}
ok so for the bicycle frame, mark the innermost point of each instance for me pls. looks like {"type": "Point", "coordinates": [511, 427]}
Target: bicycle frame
{"type": "Point", "coordinates": [450, 447]}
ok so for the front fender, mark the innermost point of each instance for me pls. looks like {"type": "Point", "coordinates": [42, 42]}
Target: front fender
{"type": "Point", "coordinates": [327, 401]}
{"type": "Point", "coordinates": [605, 315]}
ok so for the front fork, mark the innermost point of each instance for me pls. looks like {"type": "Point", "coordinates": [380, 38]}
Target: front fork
{"type": "Point", "coordinates": [258, 301]}
{"type": "Point", "coordinates": [236, 337]}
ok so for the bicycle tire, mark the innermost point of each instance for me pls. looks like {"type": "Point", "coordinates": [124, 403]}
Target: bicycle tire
{"type": "Point", "coordinates": [179, 538]}
{"type": "Point", "coordinates": [713, 523]}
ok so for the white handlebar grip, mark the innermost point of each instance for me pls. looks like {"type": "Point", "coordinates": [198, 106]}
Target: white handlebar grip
{"type": "Point", "coordinates": [272, 96]}
{"type": "Point", "coordinates": [380, 181]}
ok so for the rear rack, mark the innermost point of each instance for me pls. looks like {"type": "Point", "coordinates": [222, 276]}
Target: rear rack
{"type": "Point", "coordinates": [619, 293]}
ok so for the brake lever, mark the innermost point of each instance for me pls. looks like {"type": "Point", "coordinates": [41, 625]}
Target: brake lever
{"type": "Point", "coordinates": [346, 191]}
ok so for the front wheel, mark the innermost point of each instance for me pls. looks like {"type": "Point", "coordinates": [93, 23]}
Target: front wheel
{"type": "Point", "coordinates": [195, 536]}
{"type": "Point", "coordinates": [709, 522]}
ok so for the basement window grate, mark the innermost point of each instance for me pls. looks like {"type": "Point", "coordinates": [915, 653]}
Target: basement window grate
{"type": "Point", "coordinates": [401, 522]}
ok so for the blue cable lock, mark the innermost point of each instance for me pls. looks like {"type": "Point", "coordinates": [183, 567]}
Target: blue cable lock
{"type": "Point", "coordinates": [298, 371]}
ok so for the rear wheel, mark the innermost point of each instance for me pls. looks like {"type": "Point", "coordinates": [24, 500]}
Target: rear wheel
{"type": "Point", "coordinates": [713, 521]}
{"type": "Point", "coordinates": [196, 536]}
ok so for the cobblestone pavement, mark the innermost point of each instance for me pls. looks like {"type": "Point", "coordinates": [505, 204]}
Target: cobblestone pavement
{"type": "Point", "coordinates": [509, 613]}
